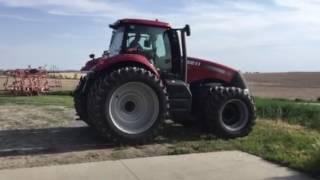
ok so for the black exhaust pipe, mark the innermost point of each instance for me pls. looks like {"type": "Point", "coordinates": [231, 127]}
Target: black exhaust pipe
{"type": "Point", "coordinates": [185, 31]}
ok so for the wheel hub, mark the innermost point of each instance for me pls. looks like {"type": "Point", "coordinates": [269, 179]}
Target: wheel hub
{"type": "Point", "coordinates": [133, 107]}
{"type": "Point", "coordinates": [129, 106]}
{"type": "Point", "coordinates": [234, 115]}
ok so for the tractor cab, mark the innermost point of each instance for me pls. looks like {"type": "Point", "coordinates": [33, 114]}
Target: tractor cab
{"type": "Point", "coordinates": [151, 42]}
{"type": "Point", "coordinates": [154, 40]}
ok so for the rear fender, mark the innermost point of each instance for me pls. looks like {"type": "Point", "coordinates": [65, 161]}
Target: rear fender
{"type": "Point", "coordinates": [105, 65]}
{"type": "Point", "coordinates": [124, 60]}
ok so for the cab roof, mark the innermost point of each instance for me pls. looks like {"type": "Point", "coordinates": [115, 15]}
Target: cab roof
{"type": "Point", "coordinates": [145, 22]}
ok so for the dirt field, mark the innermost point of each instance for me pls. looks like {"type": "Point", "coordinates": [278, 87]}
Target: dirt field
{"type": "Point", "coordinates": [48, 135]}
{"type": "Point", "coordinates": [305, 85]}
{"type": "Point", "coordinates": [285, 85]}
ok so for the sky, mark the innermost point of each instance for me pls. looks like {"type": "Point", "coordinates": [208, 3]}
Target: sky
{"type": "Point", "coordinates": [249, 35]}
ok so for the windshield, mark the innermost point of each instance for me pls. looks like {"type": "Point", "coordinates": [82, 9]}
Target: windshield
{"type": "Point", "coordinates": [116, 41]}
{"type": "Point", "coordinates": [152, 42]}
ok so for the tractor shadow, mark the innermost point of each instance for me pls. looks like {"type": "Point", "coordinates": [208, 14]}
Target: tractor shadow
{"type": "Point", "coordinates": [48, 140]}
{"type": "Point", "coordinates": [73, 139]}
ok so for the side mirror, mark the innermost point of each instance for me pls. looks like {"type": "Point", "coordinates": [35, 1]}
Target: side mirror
{"type": "Point", "coordinates": [91, 56]}
{"type": "Point", "coordinates": [147, 43]}
{"type": "Point", "coordinates": [187, 30]}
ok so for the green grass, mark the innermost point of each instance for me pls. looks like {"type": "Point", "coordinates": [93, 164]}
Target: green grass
{"type": "Point", "coordinates": [61, 93]}
{"type": "Point", "coordinates": [305, 114]}
{"type": "Point", "coordinates": [287, 145]}
{"type": "Point", "coordinates": [58, 100]}
{"type": "Point", "coordinates": [292, 146]}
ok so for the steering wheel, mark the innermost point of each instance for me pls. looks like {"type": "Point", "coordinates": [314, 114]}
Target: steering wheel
{"type": "Point", "coordinates": [139, 49]}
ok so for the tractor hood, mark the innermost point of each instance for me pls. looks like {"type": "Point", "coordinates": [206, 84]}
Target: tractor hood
{"type": "Point", "coordinates": [205, 70]}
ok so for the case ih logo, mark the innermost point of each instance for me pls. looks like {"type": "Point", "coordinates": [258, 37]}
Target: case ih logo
{"type": "Point", "coordinates": [193, 63]}
{"type": "Point", "coordinates": [211, 68]}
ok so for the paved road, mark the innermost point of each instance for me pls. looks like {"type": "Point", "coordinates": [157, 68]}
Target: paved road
{"type": "Point", "coordinates": [207, 166]}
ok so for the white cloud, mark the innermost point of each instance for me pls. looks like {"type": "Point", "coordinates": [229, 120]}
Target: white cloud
{"type": "Point", "coordinates": [220, 28]}
{"type": "Point", "coordinates": [19, 17]}
{"type": "Point", "coordinates": [79, 5]}
{"type": "Point", "coordinates": [76, 7]}
{"type": "Point", "coordinates": [226, 15]}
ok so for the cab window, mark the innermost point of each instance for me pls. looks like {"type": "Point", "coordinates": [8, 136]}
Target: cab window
{"type": "Point", "coordinates": [116, 41]}
{"type": "Point", "coordinates": [152, 42]}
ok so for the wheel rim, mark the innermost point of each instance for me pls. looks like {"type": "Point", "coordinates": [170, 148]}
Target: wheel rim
{"type": "Point", "coordinates": [234, 115]}
{"type": "Point", "coordinates": [133, 107]}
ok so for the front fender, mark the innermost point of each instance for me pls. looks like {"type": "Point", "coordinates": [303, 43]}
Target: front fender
{"type": "Point", "coordinates": [239, 81]}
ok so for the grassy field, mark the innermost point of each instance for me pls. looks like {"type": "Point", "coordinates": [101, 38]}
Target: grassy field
{"type": "Point", "coordinates": [58, 100]}
{"type": "Point", "coordinates": [303, 113]}
{"type": "Point", "coordinates": [287, 145]}
{"type": "Point", "coordinates": [287, 133]}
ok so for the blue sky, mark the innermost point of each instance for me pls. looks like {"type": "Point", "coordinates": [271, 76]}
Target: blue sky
{"type": "Point", "coordinates": [251, 35]}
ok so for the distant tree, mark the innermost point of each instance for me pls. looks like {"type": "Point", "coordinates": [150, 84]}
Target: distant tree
{"type": "Point", "coordinates": [75, 76]}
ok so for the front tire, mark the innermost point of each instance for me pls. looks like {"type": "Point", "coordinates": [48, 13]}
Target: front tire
{"type": "Point", "coordinates": [128, 105]}
{"type": "Point", "coordinates": [229, 112]}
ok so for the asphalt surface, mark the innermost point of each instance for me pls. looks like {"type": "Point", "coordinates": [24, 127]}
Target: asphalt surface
{"type": "Point", "coordinates": [226, 165]}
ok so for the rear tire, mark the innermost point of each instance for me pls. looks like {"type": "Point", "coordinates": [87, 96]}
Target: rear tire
{"type": "Point", "coordinates": [80, 102]}
{"type": "Point", "coordinates": [128, 105]}
{"type": "Point", "coordinates": [229, 112]}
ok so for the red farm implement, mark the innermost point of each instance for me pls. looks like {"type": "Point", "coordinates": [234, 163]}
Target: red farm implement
{"type": "Point", "coordinates": [29, 82]}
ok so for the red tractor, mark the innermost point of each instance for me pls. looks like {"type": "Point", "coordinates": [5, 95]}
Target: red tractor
{"type": "Point", "coordinates": [146, 77]}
